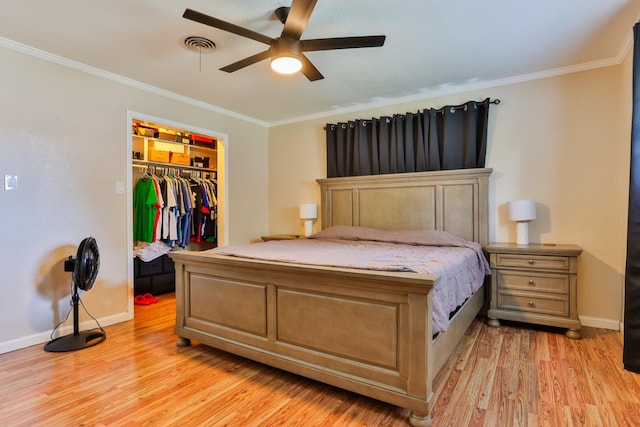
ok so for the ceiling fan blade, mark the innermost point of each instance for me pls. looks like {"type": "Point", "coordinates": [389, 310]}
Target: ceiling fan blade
{"type": "Point", "coordinates": [309, 70]}
{"type": "Point", "coordinates": [299, 15]}
{"type": "Point", "coordinates": [342, 43]}
{"type": "Point", "coordinates": [225, 26]}
{"type": "Point", "coordinates": [246, 62]}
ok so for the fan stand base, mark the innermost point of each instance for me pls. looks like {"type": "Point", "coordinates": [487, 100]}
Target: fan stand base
{"type": "Point", "coordinates": [75, 342]}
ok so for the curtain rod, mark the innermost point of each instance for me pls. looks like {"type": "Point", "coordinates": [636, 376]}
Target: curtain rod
{"type": "Point", "coordinates": [494, 101]}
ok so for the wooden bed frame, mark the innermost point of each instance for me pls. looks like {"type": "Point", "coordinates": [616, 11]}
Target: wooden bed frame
{"type": "Point", "coordinates": [364, 331]}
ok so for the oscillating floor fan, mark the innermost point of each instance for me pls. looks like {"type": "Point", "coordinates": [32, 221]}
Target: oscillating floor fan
{"type": "Point", "coordinates": [84, 270]}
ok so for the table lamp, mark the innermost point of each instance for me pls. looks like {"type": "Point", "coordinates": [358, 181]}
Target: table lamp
{"type": "Point", "coordinates": [522, 211]}
{"type": "Point", "coordinates": [308, 212]}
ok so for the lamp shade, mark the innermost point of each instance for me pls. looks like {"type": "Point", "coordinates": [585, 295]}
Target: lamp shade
{"type": "Point", "coordinates": [308, 211]}
{"type": "Point", "coordinates": [522, 210]}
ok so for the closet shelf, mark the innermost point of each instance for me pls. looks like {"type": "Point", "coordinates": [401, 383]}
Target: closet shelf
{"type": "Point", "coordinates": [180, 144]}
{"type": "Point", "coordinates": [163, 152]}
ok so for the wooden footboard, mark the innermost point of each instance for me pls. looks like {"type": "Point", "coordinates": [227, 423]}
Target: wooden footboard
{"type": "Point", "coordinates": [364, 331]}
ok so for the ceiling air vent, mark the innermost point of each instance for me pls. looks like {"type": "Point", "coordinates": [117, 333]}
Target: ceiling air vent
{"type": "Point", "coordinates": [199, 44]}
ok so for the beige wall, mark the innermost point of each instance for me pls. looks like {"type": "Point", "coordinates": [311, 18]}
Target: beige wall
{"type": "Point", "coordinates": [562, 141]}
{"type": "Point", "coordinates": [63, 132]}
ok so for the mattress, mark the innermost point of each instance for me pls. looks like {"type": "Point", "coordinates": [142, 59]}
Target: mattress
{"type": "Point", "coordinates": [460, 264]}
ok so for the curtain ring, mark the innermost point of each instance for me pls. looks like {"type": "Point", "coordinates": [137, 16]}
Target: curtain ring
{"type": "Point", "coordinates": [453, 110]}
{"type": "Point", "coordinates": [465, 107]}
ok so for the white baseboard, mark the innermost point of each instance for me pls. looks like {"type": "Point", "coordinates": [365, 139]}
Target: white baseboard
{"type": "Point", "coordinates": [44, 337]}
{"type": "Point", "coordinates": [596, 322]}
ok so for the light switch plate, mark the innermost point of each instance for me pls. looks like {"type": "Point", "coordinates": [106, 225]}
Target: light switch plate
{"type": "Point", "coordinates": [11, 183]}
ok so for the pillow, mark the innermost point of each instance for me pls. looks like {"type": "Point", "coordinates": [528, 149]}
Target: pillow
{"type": "Point", "coordinates": [407, 237]}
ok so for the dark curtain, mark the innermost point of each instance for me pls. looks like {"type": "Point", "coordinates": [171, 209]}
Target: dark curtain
{"type": "Point", "coordinates": [631, 353]}
{"type": "Point", "coordinates": [453, 137]}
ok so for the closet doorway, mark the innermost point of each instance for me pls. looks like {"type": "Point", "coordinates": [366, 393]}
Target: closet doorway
{"type": "Point", "coordinates": [191, 161]}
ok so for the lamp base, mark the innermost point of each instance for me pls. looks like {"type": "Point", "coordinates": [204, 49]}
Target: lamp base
{"type": "Point", "coordinates": [522, 233]}
{"type": "Point", "coordinates": [308, 228]}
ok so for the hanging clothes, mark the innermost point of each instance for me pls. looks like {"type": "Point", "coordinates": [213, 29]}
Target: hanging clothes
{"type": "Point", "coordinates": [156, 235]}
{"type": "Point", "coordinates": [205, 210]}
{"type": "Point", "coordinates": [174, 210]}
{"type": "Point", "coordinates": [145, 209]}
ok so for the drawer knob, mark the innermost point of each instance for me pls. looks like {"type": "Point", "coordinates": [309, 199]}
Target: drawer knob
{"type": "Point", "coordinates": [531, 282]}
{"type": "Point", "coordinates": [531, 262]}
{"type": "Point", "coordinates": [531, 304]}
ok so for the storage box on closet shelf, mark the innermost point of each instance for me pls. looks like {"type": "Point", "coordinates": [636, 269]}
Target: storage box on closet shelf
{"type": "Point", "coordinates": [180, 159]}
{"type": "Point", "coordinates": [201, 162]}
{"type": "Point", "coordinates": [173, 135]}
{"type": "Point", "coordinates": [158, 156]}
{"type": "Point", "coordinates": [146, 131]}
{"type": "Point", "coordinates": [202, 141]}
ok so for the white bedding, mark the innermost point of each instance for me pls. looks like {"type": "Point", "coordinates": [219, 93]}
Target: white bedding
{"type": "Point", "coordinates": [460, 264]}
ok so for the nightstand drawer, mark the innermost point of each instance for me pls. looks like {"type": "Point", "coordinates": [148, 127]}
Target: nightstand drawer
{"type": "Point", "coordinates": [525, 281]}
{"type": "Point", "coordinates": [542, 262]}
{"type": "Point", "coordinates": [556, 305]}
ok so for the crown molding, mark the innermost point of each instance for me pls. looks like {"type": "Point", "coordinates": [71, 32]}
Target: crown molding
{"type": "Point", "coordinates": [468, 87]}
{"type": "Point", "coordinates": [56, 59]}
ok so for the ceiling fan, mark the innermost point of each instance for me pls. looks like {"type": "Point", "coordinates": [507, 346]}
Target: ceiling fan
{"type": "Point", "coordinates": [287, 50]}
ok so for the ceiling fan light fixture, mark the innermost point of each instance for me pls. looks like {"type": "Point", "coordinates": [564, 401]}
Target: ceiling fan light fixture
{"type": "Point", "coordinates": [286, 64]}
{"type": "Point", "coordinates": [287, 51]}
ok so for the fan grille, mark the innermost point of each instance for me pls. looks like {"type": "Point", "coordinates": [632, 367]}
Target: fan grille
{"type": "Point", "coordinates": [199, 44]}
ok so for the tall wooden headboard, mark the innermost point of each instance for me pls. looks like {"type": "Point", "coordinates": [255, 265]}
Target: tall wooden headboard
{"type": "Point", "coordinates": [454, 200]}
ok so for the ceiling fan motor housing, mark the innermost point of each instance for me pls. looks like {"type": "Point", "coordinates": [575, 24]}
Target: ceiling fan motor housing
{"type": "Point", "coordinates": [285, 47]}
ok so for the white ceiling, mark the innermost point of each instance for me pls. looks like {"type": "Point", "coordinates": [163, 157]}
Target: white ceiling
{"type": "Point", "coordinates": [432, 47]}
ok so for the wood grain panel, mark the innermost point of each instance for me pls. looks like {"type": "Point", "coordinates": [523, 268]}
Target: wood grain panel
{"type": "Point", "coordinates": [458, 211]}
{"type": "Point", "coordinates": [548, 262]}
{"type": "Point", "coordinates": [357, 330]}
{"type": "Point", "coordinates": [382, 208]}
{"type": "Point", "coordinates": [341, 207]}
{"type": "Point", "coordinates": [229, 303]}
{"type": "Point", "coordinates": [525, 281]}
{"type": "Point", "coordinates": [534, 303]}
{"type": "Point", "coordinates": [452, 200]}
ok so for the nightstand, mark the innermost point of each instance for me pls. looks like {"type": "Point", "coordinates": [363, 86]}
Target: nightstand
{"type": "Point", "coordinates": [281, 237]}
{"type": "Point", "coordinates": [535, 283]}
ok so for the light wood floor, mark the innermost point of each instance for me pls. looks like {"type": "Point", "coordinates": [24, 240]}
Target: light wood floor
{"type": "Point", "coordinates": [506, 376]}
